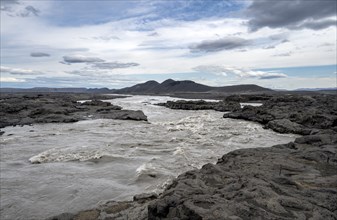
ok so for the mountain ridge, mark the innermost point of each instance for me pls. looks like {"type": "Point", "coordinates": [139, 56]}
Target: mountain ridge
{"type": "Point", "coordinates": [150, 87]}
{"type": "Point", "coordinates": [183, 86]}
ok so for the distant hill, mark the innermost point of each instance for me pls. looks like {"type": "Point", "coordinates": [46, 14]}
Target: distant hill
{"type": "Point", "coordinates": [246, 88]}
{"type": "Point", "coordinates": [51, 90]}
{"type": "Point", "coordinates": [168, 86]}
{"type": "Point", "coordinates": [317, 89]}
{"type": "Point", "coordinates": [186, 86]}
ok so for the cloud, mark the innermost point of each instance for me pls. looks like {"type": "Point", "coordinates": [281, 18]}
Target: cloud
{"type": "Point", "coordinates": [269, 47]}
{"type": "Point", "coordinates": [29, 10]}
{"type": "Point", "coordinates": [276, 40]}
{"type": "Point", "coordinates": [217, 70]}
{"type": "Point", "coordinates": [156, 54]}
{"type": "Point", "coordinates": [7, 5]}
{"type": "Point", "coordinates": [18, 8]}
{"type": "Point", "coordinates": [86, 73]}
{"type": "Point", "coordinates": [11, 79]}
{"type": "Point", "coordinates": [287, 54]}
{"type": "Point", "coordinates": [113, 65]}
{"type": "Point", "coordinates": [191, 10]}
{"type": "Point", "coordinates": [106, 38]}
{"type": "Point", "coordinates": [39, 54]}
{"type": "Point", "coordinates": [297, 14]}
{"type": "Point", "coordinates": [101, 69]}
{"type": "Point", "coordinates": [326, 45]}
{"type": "Point", "coordinates": [273, 76]}
{"type": "Point", "coordinates": [241, 72]}
{"type": "Point", "coordinates": [317, 25]}
{"type": "Point", "coordinates": [228, 43]}
{"type": "Point", "coordinates": [84, 81]}
{"type": "Point", "coordinates": [154, 34]}
{"type": "Point", "coordinates": [283, 37]}
{"type": "Point", "coordinates": [80, 59]}
{"type": "Point", "coordinates": [16, 71]}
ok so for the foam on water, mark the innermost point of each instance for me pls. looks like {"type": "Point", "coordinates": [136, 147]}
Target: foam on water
{"type": "Point", "coordinates": [84, 163]}
{"type": "Point", "coordinates": [179, 150]}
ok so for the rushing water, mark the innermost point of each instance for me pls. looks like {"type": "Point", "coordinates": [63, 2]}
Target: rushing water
{"type": "Point", "coordinates": [84, 163]}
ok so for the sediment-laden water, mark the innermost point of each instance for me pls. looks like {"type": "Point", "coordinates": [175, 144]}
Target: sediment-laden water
{"type": "Point", "coordinates": [48, 169]}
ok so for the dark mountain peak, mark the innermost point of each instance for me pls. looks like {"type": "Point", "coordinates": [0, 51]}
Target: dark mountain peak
{"type": "Point", "coordinates": [172, 86]}
{"type": "Point", "coordinates": [168, 81]}
{"type": "Point", "coordinates": [188, 81]}
{"type": "Point", "coordinates": [146, 87]}
{"type": "Point", "coordinates": [171, 82]}
{"type": "Point", "coordinates": [151, 82]}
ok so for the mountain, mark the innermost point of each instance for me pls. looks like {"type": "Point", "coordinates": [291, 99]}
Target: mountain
{"type": "Point", "coordinates": [246, 88]}
{"type": "Point", "coordinates": [146, 87]}
{"type": "Point", "coordinates": [186, 86]}
{"type": "Point", "coordinates": [168, 86]}
{"type": "Point", "coordinates": [316, 89]}
{"type": "Point", "coordinates": [52, 90]}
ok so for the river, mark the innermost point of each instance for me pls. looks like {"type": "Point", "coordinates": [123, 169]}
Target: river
{"type": "Point", "coordinates": [48, 169]}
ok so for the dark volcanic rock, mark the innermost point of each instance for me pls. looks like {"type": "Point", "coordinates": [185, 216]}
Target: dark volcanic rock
{"type": "Point", "coordinates": [123, 115]}
{"type": "Point", "coordinates": [293, 113]}
{"type": "Point", "coordinates": [145, 197]}
{"type": "Point", "coordinates": [18, 109]}
{"type": "Point", "coordinates": [287, 126]}
{"type": "Point", "coordinates": [202, 105]}
{"type": "Point", "coordinates": [226, 106]}
{"type": "Point", "coordinates": [248, 98]}
{"type": "Point", "coordinates": [189, 105]}
{"type": "Point", "coordinates": [100, 103]}
{"type": "Point", "coordinates": [281, 182]}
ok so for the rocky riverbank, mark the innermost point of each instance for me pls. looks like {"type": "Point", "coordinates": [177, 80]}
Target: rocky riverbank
{"type": "Point", "coordinates": [291, 181]}
{"type": "Point", "coordinates": [26, 109]}
{"type": "Point", "coordinates": [293, 114]}
{"type": "Point", "coordinates": [297, 180]}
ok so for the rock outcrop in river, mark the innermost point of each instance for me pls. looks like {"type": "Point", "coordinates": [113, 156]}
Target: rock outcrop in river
{"type": "Point", "coordinates": [297, 180]}
{"type": "Point", "coordinates": [202, 105]}
{"type": "Point", "coordinates": [16, 109]}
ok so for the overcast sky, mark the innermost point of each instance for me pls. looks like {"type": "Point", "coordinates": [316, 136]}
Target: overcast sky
{"type": "Point", "coordinates": [285, 44]}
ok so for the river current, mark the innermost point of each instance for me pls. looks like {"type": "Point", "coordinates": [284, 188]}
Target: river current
{"type": "Point", "coordinates": [49, 169]}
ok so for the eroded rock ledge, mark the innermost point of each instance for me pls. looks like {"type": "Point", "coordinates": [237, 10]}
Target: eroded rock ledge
{"type": "Point", "coordinates": [16, 109]}
{"type": "Point", "coordinates": [293, 113]}
{"type": "Point", "coordinates": [223, 106]}
{"type": "Point", "coordinates": [293, 181]}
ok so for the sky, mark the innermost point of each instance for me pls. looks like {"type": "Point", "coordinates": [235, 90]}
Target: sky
{"type": "Point", "coordinates": [278, 44]}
